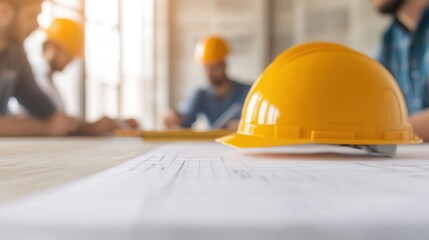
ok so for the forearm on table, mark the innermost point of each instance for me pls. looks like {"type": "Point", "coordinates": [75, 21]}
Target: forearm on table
{"type": "Point", "coordinates": [420, 123]}
{"type": "Point", "coordinates": [85, 129]}
{"type": "Point", "coordinates": [19, 127]}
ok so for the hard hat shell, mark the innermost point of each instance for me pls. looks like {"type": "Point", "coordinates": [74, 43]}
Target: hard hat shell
{"type": "Point", "coordinates": [323, 93]}
{"type": "Point", "coordinates": [68, 34]}
{"type": "Point", "coordinates": [211, 50]}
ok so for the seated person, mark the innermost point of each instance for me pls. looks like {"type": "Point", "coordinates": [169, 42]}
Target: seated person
{"type": "Point", "coordinates": [18, 19]}
{"type": "Point", "coordinates": [221, 101]}
{"type": "Point", "coordinates": [404, 51]}
{"type": "Point", "coordinates": [64, 43]}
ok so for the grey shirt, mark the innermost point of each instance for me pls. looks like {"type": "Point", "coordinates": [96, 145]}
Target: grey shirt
{"type": "Point", "coordinates": [17, 80]}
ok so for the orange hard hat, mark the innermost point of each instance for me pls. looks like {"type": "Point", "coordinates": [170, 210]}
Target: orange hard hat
{"type": "Point", "coordinates": [211, 50]}
{"type": "Point", "coordinates": [323, 93]}
{"type": "Point", "coordinates": [68, 34]}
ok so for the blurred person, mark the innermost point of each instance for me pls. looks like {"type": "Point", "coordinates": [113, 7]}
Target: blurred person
{"type": "Point", "coordinates": [222, 97]}
{"type": "Point", "coordinates": [18, 19]}
{"type": "Point", "coordinates": [404, 50]}
{"type": "Point", "coordinates": [64, 43]}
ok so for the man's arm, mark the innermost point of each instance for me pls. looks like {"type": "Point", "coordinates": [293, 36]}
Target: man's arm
{"type": "Point", "coordinates": [420, 123]}
{"type": "Point", "coordinates": [172, 119]}
{"type": "Point", "coordinates": [19, 127]}
{"type": "Point", "coordinates": [104, 126]}
{"type": "Point", "coordinates": [58, 125]}
{"type": "Point", "coordinates": [188, 113]}
{"type": "Point", "coordinates": [190, 109]}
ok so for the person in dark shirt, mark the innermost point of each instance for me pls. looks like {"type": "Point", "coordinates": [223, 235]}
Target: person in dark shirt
{"type": "Point", "coordinates": [404, 50]}
{"type": "Point", "coordinates": [18, 19]}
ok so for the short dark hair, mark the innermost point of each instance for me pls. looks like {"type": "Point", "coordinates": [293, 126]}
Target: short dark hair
{"type": "Point", "coordinates": [391, 7]}
{"type": "Point", "coordinates": [21, 3]}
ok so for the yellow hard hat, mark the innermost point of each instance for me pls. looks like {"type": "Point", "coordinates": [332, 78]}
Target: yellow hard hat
{"type": "Point", "coordinates": [323, 93]}
{"type": "Point", "coordinates": [68, 34]}
{"type": "Point", "coordinates": [211, 50]}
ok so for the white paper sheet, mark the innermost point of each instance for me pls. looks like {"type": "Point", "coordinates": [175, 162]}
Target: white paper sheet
{"type": "Point", "coordinates": [209, 191]}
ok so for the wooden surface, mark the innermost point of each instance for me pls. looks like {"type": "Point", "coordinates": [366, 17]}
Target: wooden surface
{"type": "Point", "coordinates": [28, 165]}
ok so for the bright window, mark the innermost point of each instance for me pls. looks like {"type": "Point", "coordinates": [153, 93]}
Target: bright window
{"type": "Point", "coordinates": [118, 62]}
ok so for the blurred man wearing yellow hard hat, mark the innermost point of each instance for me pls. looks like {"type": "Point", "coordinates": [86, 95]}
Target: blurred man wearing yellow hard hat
{"type": "Point", "coordinates": [221, 102]}
{"type": "Point", "coordinates": [18, 19]}
{"type": "Point", "coordinates": [404, 50]}
{"type": "Point", "coordinates": [64, 43]}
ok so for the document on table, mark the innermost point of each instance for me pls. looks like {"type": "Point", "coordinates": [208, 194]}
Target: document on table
{"type": "Point", "coordinates": [210, 191]}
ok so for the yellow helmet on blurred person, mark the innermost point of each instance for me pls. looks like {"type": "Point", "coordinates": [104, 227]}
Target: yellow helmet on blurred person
{"type": "Point", "coordinates": [323, 93]}
{"type": "Point", "coordinates": [68, 34]}
{"type": "Point", "coordinates": [211, 50]}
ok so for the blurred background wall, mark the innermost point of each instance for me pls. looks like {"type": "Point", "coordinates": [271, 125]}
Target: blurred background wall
{"type": "Point", "coordinates": [139, 53]}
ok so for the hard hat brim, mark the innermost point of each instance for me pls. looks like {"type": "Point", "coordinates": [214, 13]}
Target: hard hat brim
{"type": "Point", "coordinates": [246, 141]}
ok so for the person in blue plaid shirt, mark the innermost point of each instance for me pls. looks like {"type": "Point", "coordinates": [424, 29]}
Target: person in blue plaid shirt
{"type": "Point", "coordinates": [404, 51]}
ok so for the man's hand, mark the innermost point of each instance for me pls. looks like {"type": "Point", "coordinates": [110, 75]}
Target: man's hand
{"type": "Point", "coordinates": [420, 123]}
{"type": "Point", "coordinates": [172, 119]}
{"type": "Point", "coordinates": [232, 125]}
{"type": "Point", "coordinates": [132, 123]}
{"type": "Point", "coordinates": [104, 126]}
{"type": "Point", "coordinates": [60, 124]}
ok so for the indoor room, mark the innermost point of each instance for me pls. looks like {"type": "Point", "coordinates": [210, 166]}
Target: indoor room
{"type": "Point", "coordinates": [214, 119]}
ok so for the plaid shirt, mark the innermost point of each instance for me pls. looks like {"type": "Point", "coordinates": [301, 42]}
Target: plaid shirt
{"type": "Point", "coordinates": [406, 55]}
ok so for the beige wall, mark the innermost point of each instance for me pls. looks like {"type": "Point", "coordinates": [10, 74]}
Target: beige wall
{"type": "Point", "coordinates": [260, 29]}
